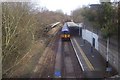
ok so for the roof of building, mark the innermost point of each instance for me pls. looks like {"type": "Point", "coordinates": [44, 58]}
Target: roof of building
{"type": "Point", "coordinates": [72, 24]}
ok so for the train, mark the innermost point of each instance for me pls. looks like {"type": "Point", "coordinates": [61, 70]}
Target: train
{"type": "Point", "coordinates": [65, 33]}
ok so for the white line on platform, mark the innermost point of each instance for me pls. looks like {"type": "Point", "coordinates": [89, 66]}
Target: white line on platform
{"type": "Point", "coordinates": [77, 56]}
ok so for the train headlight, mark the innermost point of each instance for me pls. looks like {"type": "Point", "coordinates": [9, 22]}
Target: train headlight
{"type": "Point", "coordinates": [65, 36]}
{"type": "Point", "coordinates": [68, 35]}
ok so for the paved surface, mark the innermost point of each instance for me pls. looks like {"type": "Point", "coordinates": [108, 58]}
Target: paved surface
{"type": "Point", "coordinates": [96, 60]}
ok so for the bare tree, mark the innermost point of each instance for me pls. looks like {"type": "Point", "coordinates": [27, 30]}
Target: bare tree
{"type": "Point", "coordinates": [18, 28]}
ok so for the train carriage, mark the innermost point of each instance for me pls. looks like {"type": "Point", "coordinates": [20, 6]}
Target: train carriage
{"type": "Point", "coordinates": [65, 33]}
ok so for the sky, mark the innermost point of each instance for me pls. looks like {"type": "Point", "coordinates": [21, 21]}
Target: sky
{"type": "Point", "coordinates": [65, 5]}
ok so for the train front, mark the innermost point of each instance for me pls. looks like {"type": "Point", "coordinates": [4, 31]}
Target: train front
{"type": "Point", "coordinates": [65, 33]}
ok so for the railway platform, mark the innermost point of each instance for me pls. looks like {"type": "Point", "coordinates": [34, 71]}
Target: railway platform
{"type": "Point", "coordinates": [96, 59]}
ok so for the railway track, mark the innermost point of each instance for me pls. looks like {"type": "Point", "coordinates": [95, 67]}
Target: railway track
{"type": "Point", "coordinates": [67, 64]}
{"type": "Point", "coordinates": [70, 64]}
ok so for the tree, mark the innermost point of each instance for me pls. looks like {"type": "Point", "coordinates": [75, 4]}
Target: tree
{"type": "Point", "coordinates": [107, 27]}
{"type": "Point", "coordinates": [76, 15]}
{"type": "Point", "coordinates": [18, 28]}
{"type": "Point", "coordinates": [22, 24]}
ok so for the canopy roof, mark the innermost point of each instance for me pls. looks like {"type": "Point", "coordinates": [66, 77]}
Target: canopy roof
{"type": "Point", "coordinates": [72, 24]}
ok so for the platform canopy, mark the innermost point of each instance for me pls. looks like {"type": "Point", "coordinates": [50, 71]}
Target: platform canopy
{"type": "Point", "coordinates": [72, 24]}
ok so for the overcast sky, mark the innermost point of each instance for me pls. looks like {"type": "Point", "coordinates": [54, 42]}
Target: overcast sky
{"type": "Point", "coordinates": [65, 5]}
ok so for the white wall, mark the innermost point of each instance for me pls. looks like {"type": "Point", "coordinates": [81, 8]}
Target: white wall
{"type": "Point", "coordinates": [88, 35]}
{"type": "Point", "coordinates": [80, 24]}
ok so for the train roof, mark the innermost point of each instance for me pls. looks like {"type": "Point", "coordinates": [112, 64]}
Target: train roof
{"type": "Point", "coordinates": [65, 27]}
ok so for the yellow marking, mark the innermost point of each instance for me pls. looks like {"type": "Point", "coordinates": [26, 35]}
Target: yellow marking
{"type": "Point", "coordinates": [84, 56]}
